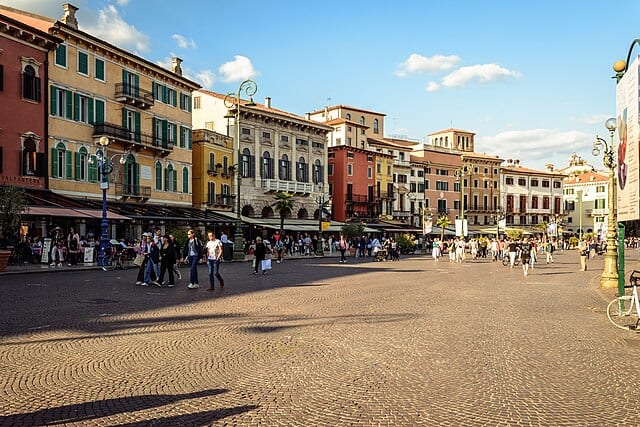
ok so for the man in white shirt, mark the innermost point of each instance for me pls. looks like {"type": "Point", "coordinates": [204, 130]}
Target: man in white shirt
{"type": "Point", "coordinates": [213, 250]}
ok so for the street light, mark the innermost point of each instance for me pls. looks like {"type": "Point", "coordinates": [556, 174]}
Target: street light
{"type": "Point", "coordinates": [610, 271]}
{"type": "Point", "coordinates": [105, 167]}
{"type": "Point", "coordinates": [321, 204]}
{"type": "Point", "coordinates": [249, 88]}
{"type": "Point", "coordinates": [497, 217]}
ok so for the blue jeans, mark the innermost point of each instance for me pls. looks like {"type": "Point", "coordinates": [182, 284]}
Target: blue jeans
{"type": "Point", "coordinates": [147, 270]}
{"type": "Point", "coordinates": [193, 269]}
{"type": "Point", "coordinates": [213, 266]}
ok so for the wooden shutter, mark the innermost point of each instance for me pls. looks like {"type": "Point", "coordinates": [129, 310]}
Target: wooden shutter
{"type": "Point", "coordinates": [185, 180]}
{"type": "Point", "coordinates": [77, 158]}
{"type": "Point", "coordinates": [53, 101]}
{"type": "Point", "coordinates": [54, 162]}
{"type": "Point", "coordinates": [90, 119]}
{"type": "Point", "coordinates": [69, 159]}
{"type": "Point", "coordinates": [189, 138]}
{"type": "Point", "coordinates": [69, 99]}
{"type": "Point", "coordinates": [175, 180]}
{"type": "Point", "coordinates": [136, 118]}
{"type": "Point", "coordinates": [158, 176]}
{"type": "Point", "coordinates": [76, 106]}
{"type": "Point", "coordinates": [175, 134]}
{"type": "Point", "coordinates": [99, 118]}
{"type": "Point", "coordinates": [93, 169]}
{"type": "Point", "coordinates": [167, 177]}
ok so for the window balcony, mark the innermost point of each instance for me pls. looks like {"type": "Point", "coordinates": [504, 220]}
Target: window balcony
{"type": "Point", "coordinates": [358, 198]}
{"type": "Point", "coordinates": [133, 95]}
{"type": "Point", "coordinates": [288, 186]}
{"type": "Point", "coordinates": [135, 140]}
{"type": "Point", "coordinates": [401, 214]}
{"type": "Point", "coordinates": [133, 191]}
{"type": "Point", "coordinates": [596, 212]}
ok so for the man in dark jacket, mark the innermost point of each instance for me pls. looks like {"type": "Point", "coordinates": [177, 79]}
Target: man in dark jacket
{"type": "Point", "coordinates": [192, 251]}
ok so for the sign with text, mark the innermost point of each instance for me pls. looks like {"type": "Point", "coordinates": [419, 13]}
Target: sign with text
{"type": "Point", "coordinates": [461, 228]}
{"type": "Point", "coordinates": [626, 143]}
{"type": "Point", "coordinates": [88, 255]}
{"type": "Point", "coordinates": [46, 249]}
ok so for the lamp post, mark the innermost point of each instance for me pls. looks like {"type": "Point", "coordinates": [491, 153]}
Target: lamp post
{"type": "Point", "coordinates": [249, 88]}
{"type": "Point", "coordinates": [497, 216]}
{"type": "Point", "coordinates": [321, 204]}
{"type": "Point", "coordinates": [610, 271]}
{"type": "Point", "coordinates": [105, 167]}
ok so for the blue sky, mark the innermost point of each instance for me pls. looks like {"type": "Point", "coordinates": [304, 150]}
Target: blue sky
{"type": "Point", "coordinates": [531, 79]}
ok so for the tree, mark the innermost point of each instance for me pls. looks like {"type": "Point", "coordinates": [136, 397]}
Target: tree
{"type": "Point", "coordinates": [515, 234]}
{"type": "Point", "coordinates": [283, 205]}
{"type": "Point", "coordinates": [12, 205]}
{"type": "Point", "coordinates": [542, 226]}
{"type": "Point", "coordinates": [443, 222]}
{"type": "Point", "coordinates": [352, 230]}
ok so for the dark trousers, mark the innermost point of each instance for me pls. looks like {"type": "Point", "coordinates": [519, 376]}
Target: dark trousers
{"type": "Point", "coordinates": [193, 269]}
{"type": "Point", "coordinates": [141, 270]}
{"type": "Point", "coordinates": [166, 266]}
{"type": "Point", "coordinates": [342, 257]}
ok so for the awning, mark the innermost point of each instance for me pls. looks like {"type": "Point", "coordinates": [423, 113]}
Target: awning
{"type": "Point", "coordinates": [96, 213]}
{"type": "Point", "coordinates": [57, 212]}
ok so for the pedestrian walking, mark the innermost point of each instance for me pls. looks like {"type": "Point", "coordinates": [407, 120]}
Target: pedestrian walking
{"type": "Point", "coordinates": [548, 249]}
{"type": "Point", "coordinates": [583, 249]}
{"type": "Point", "coordinates": [525, 255]}
{"type": "Point", "coordinates": [192, 251]}
{"type": "Point", "coordinates": [342, 247]}
{"type": "Point", "coordinates": [213, 250]}
{"type": "Point", "coordinates": [167, 261]}
{"type": "Point", "coordinates": [260, 254]}
{"type": "Point", "coordinates": [512, 248]}
{"type": "Point", "coordinates": [178, 254]}
{"type": "Point", "coordinates": [152, 253]}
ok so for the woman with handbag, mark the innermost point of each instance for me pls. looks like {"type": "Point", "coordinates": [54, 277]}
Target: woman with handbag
{"type": "Point", "coordinates": [260, 253]}
{"type": "Point", "coordinates": [167, 260]}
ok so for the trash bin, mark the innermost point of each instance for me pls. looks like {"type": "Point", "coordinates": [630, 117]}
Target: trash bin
{"type": "Point", "coordinates": [227, 251]}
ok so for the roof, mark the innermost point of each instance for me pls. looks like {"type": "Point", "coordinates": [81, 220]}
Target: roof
{"type": "Point", "coordinates": [452, 130]}
{"type": "Point", "coordinates": [475, 155]}
{"type": "Point", "coordinates": [586, 178]}
{"type": "Point", "coordinates": [387, 143]}
{"type": "Point", "coordinates": [402, 142]}
{"type": "Point", "coordinates": [346, 107]}
{"type": "Point", "coordinates": [523, 170]}
{"type": "Point", "coordinates": [418, 159]}
{"type": "Point", "coordinates": [29, 28]}
{"type": "Point", "coordinates": [340, 121]}
{"type": "Point", "coordinates": [262, 107]}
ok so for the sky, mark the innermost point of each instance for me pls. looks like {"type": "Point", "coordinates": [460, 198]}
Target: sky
{"type": "Point", "coordinates": [532, 79]}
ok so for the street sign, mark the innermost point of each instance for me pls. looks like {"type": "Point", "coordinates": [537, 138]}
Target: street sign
{"type": "Point", "coordinates": [325, 225]}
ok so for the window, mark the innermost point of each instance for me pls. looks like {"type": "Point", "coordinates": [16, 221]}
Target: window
{"type": "Point", "coordinates": [369, 172]}
{"type": "Point", "coordinates": [81, 164]}
{"type": "Point", "coordinates": [442, 185]}
{"type": "Point", "coordinates": [185, 102]}
{"type": "Point", "coordinates": [30, 84]}
{"type": "Point", "coordinates": [185, 179]}
{"type": "Point", "coordinates": [330, 169]}
{"type": "Point", "coordinates": [266, 135]}
{"type": "Point", "coordinates": [61, 166]}
{"type": "Point", "coordinates": [211, 192]}
{"type": "Point", "coordinates": [545, 201]}
{"type": "Point", "coordinates": [172, 133]}
{"type": "Point", "coordinates": [248, 169]}
{"type": "Point", "coordinates": [196, 102]}
{"type": "Point", "coordinates": [267, 166]}
{"type": "Point", "coordinates": [349, 155]}
{"type": "Point", "coordinates": [61, 56]}
{"type": "Point", "coordinates": [61, 104]}
{"type": "Point", "coordinates": [318, 175]}
{"type": "Point", "coordinates": [534, 202]}
{"type": "Point", "coordinates": [556, 184]}
{"type": "Point", "coordinates": [389, 170]}
{"type": "Point", "coordinates": [600, 204]}
{"type": "Point", "coordinates": [83, 63]}
{"type": "Point", "coordinates": [170, 178]}
{"type": "Point", "coordinates": [545, 184]}
{"type": "Point", "coordinates": [522, 181]}
{"type": "Point", "coordinates": [486, 184]}
{"type": "Point", "coordinates": [172, 97]}
{"type": "Point", "coordinates": [375, 126]}
{"type": "Point", "coordinates": [362, 120]}
{"type": "Point", "coordinates": [350, 169]}
{"type": "Point", "coordinates": [29, 165]}
{"type": "Point", "coordinates": [284, 170]}
{"type": "Point", "coordinates": [245, 131]}
{"type": "Point", "coordinates": [284, 138]}
{"type": "Point", "coordinates": [99, 70]}
{"type": "Point", "coordinates": [82, 108]}
{"type": "Point", "coordinates": [302, 170]}
{"type": "Point", "coordinates": [348, 116]}
{"type": "Point", "coordinates": [99, 111]}
{"type": "Point", "coordinates": [509, 180]}
{"type": "Point", "coordinates": [534, 182]}
{"type": "Point", "coordinates": [456, 187]}
{"type": "Point", "coordinates": [475, 183]}
{"type": "Point", "coordinates": [185, 137]}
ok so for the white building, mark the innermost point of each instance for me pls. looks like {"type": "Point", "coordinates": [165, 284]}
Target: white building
{"type": "Point", "coordinates": [585, 200]}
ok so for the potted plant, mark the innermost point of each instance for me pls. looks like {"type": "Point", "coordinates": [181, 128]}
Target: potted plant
{"type": "Point", "coordinates": [12, 205]}
{"type": "Point", "coordinates": [351, 233]}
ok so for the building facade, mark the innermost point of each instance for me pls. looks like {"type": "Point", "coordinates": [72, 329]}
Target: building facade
{"type": "Point", "coordinates": [351, 176]}
{"type": "Point", "coordinates": [212, 170]}
{"type": "Point", "coordinates": [586, 204]}
{"type": "Point", "coordinates": [481, 196]}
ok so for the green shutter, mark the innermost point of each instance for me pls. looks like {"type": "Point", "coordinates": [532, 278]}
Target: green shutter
{"type": "Point", "coordinates": [189, 138]}
{"type": "Point", "coordinates": [188, 103]}
{"type": "Point", "coordinates": [136, 174]}
{"type": "Point", "coordinates": [185, 180]}
{"type": "Point", "coordinates": [183, 137]}
{"type": "Point", "coordinates": [93, 169]}
{"type": "Point", "coordinates": [90, 111]}
{"type": "Point", "coordinates": [124, 76]}
{"type": "Point", "coordinates": [136, 82]}
{"type": "Point", "coordinates": [99, 69]}
{"type": "Point", "coordinates": [165, 94]}
{"type": "Point", "coordinates": [83, 63]}
{"type": "Point", "coordinates": [69, 159]}
{"type": "Point", "coordinates": [175, 180]}
{"type": "Point", "coordinates": [76, 106]}
{"type": "Point", "coordinates": [124, 118]}
{"type": "Point", "coordinates": [69, 99]}
{"type": "Point", "coordinates": [77, 156]}
{"type": "Point", "coordinates": [61, 55]}
{"type": "Point", "coordinates": [99, 111]}
{"type": "Point", "coordinates": [167, 176]}
{"type": "Point", "coordinates": [54, 162]}
{"type": "Point", "coordinates": [174, 101]}
{"type": "Point", "coordinates": [175, 134]}
{"type": "Point", "coordinates": [136, 118]}
{"type": "Point", "coordinates": [158, 176]}
{"type": "Point", "coordinates": [53, 102]}
{"type": "Point", "coordinates": [164, 134]}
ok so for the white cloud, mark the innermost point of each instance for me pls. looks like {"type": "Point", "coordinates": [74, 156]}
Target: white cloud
{"type": "Point", "coordinates": [535, 147]}
{"type": "Point", "coordinates": [483, 73]}
{"type": "Point", "coordinates": [418, 63]}
{"type": "Point", "coordinates": [206, 78]}
{"type": "Point", "coordinates": [114, 29]}
{"type": "Point", "coordinates": [239, 69]}
{"type": "Point", "coordinates": [123, 2]}
{"type": "Point", "coordinates": [594, 119]}
{"type": "Point", "coordinates": [432, 87]}
{"type": "Point", "coordinates": [183, 42]}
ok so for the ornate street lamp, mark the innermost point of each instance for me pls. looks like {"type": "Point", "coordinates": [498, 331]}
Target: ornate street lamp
{"type": "Point", "coordinates": [320, 199]}
{"type": "Point", "coordinates": [610, 272]}
{"type": "Point", "coordinates": [232, 102]}
{"type": "Point", "coordinates": [105, 167]}
{"type": "Point", "coordinates": [498, 215]}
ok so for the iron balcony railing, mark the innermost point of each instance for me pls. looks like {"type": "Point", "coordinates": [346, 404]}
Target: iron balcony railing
{"type": "Point", "coordinates": [134, 95]}
{"type": "Point", "coordinates": [127, 190]}
{"type": "Point", "coordinates": [136, 138]}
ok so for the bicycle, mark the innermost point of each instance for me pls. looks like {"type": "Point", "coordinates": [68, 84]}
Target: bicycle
{"type": "Point", "coordinates": [120, 260]}
{"type": "Point", "coordinates": [624, 311]}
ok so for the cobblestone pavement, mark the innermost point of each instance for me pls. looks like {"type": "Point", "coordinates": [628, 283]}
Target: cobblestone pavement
{"type": "Point", "coordinates": [317, 343]}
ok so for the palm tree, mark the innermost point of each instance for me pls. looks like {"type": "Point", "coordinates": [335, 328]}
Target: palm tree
{"type": "Point", "coordinates": [283, 205]}
{"type": "Point", "coordinates": [443, 222]}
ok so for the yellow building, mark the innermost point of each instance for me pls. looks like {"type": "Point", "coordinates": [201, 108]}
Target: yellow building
{"type": "Point", "coordinates": [212, 170]}
{"type": "Point", "coordinates": [99, 90]}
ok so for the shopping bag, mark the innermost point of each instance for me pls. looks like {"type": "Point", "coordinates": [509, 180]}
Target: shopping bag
{"type": "Point", "coordinates": [266, 264]}
{"type": "Point", "coordinates": [138, 261]}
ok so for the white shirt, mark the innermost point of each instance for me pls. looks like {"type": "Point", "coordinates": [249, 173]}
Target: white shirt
{"type": "Point", "coordinates": [212, 249]}
{"type": "Point", "coordinates": [224, 238]}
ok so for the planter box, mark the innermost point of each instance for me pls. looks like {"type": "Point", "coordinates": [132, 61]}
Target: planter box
{"type": "Point", "coordinates": [4, 259]}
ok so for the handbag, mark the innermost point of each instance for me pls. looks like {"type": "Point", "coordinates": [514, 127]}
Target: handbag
{"type": "Point", "coordinates": [266, 264]}
{"type": "Point", "coordinates": [138, 261]}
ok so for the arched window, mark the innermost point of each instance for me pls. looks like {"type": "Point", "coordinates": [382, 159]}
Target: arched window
{"type": "Point", "coordinates": [267, 166]}
{"type": "Point", "coordinates": [376, 124]}
{"type": "Point", "coordinates": [158, 176]}
{"type": "Point", "coordinates": [302, 170]}
{"type": "Point", "coordinates": [348, 116]}
{"type": "Point", "coordinates": [30, 84]}
{"type": "Point", "coordinates": [170, 178]}
{"type": "Point", "coordinates": [248, 164]}
{"type": "Point", "coordinates": [284, 170]}
{"type": "Point", "coordinates": [185, 179]}
{"type": "Point", "coordinates": [61, 166]}
{"type": "Point", "coordinates": [81, 165]}
{"type": "Point", "coordinates": [212, 162]}
{"type": "Point", "coordinates": [131, 176]}
{"type": "Point", "coordinates": [29, 157]}
{"type": "Point", "coordinates": [362, 120]}
{"type": "Point", "coordinates": [317, 172]}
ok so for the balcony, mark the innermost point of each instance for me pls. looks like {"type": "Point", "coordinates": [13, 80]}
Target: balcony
{"type": "Point", "coordinates": [288, 186]}
{"type": "Point", "coordinates": [220, 200]}
{"type": "Point", "coordinates": [135, 140]}
{"type": "Point", "coordinates": [387, 195]}
{"type": "Point", "coordinates": [358, 199]}
{"type": "Point", "coordinates": [401, 214]}
{"type": "Point", "coordinates": [596, 212]}
{"type": "Point", "coordinates": [133, 191]}
{"type": "Point", "coordinates": [405, 163]}
{"type": "Point", "coordinates": [133, 95]}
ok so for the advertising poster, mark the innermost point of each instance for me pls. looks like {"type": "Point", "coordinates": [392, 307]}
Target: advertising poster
{"type": "Point", "coordinates": [626, 144]}
{"type": "Point", "coordinates": [461, 228]}
{"type": "Point", "coordinates": [427, 226]}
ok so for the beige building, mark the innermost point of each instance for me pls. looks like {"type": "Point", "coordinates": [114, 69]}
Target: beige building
{"type": "Point", "coordinates": [481, 181]}
{"type": "Point", "coordinates": [279, 151]}
{"type": "Point", "coordinates": [212, 170]}
{"type": "Point", "coordinates": [99, 90]}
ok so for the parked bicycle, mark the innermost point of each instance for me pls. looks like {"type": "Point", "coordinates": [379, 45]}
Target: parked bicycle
{"type": "Point", "coordinates": [121, 259]}
{"type": "Point", "coordinates": [506, 262]}
{"type": "Point", "coordinates": [623, 311]}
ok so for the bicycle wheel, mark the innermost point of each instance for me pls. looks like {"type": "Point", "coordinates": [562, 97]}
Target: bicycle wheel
{"type": "Point", "coordinates": [621, 313]}
{"type": "Point", "coordinates": [505, 261]}
{"type": "Point", "coordinates": [110, 266]}
{"type": "Point", "coordinates": [124, 262]}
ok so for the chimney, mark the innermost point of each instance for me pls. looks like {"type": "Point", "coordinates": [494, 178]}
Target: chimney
{"type": "Point", "coordinates": [267, 102]}
{"type": "Point", "coordinates": [175, 65]}
{"type": "Point", "coordinates": [69, 16]}
{"type": "Point", "coordinates": [549, 167]}
{"type": "Point", "coordinates": [307, 116]}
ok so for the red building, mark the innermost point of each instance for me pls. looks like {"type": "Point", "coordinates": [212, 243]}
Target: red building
{"type": "Point", "coordinates": [351, 176]}
{"type": "Point", "coordinates": [23, 103]}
